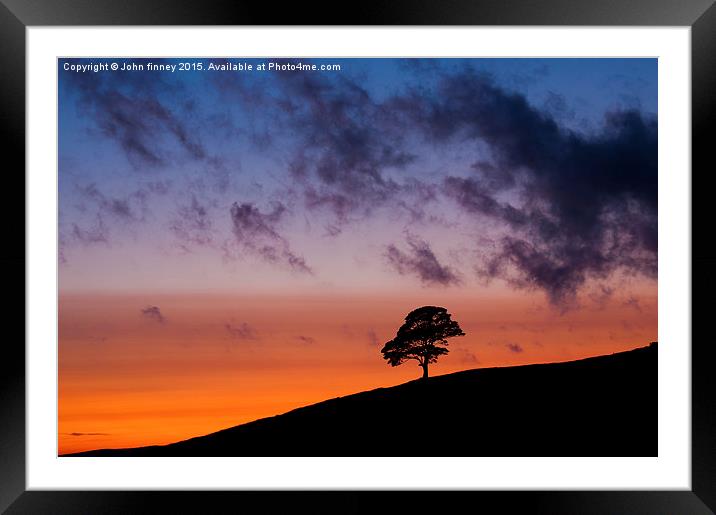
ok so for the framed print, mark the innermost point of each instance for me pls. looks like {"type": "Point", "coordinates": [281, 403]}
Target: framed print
{"type": "Point", "coordinates": [438, 249]}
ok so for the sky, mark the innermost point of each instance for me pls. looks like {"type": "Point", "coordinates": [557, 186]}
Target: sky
{"type": "Point", "coordinates": [237, 243]}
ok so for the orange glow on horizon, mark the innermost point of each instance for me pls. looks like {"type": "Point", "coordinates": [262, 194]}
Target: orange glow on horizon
{"type": "Point", "coordinates": [216, 361]}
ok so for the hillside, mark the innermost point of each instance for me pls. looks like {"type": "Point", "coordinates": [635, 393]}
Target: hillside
{"type": "Point", "coordinates": [602, 406]}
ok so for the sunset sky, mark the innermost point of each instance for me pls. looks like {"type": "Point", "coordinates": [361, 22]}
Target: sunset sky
{"type": "Point", "coordinates": [235, 244]}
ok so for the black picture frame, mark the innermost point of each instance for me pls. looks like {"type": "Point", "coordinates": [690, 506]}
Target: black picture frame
{"type": "Point", "coordinates": [17, 15]}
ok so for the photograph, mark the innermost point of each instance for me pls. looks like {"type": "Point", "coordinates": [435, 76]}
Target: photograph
{"type": "Point", "coordinates": [357, 256]}
{"type": "Point", "coordinates": [406, 256]}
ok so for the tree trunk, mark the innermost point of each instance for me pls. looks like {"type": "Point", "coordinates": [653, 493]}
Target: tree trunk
{"type": "Point", "coordinates": [425, 370]}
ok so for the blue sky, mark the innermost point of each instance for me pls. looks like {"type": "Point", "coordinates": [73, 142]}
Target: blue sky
{"type": "Point", "coordinates": [413, 168]}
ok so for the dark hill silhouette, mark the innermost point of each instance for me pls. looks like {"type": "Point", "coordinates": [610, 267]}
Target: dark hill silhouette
{"type": "Point", "coordinates": [602, 406]}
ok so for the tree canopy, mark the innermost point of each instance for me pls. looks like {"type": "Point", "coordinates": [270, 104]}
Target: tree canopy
{"type": "Point", "coordinates": [423, 337]}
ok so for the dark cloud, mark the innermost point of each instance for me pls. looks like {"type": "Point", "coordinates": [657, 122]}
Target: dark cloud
{"type": "Point", "coordinates": [100, 212]}
{"type": "Point", "coordinates": [153, 313]}
{"type": "Point", "coordinates": [305, 340]}
{"type": "Point", "coordinates": [421, 262]}
{"type": "Point", "coordinates": [102, 215]}
{"type": "Point", "coordinates": [242, 331]}
{"type": "Point", "coordinates": [575, 206]}
{"type": "Point", "coordinates": [131, 207]}
{"type": "Point", "coordinates": [347, 144]}
{"type": "Point", "coordinates": [257, 232]}
{"type": "Point", "coordinates": [130, 112]}
{"type": "Point", "coordinates": [347, 154]}
{"type": "Point", "coordinates": [514, 347]}
{"type": "Point", "coordinates": [373, 338]}
{"type": "Point", "coordinates": [87, 434]}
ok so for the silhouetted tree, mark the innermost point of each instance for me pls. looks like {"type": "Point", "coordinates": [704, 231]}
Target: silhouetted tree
{"type": "Point", "coordinates": [422, 337]}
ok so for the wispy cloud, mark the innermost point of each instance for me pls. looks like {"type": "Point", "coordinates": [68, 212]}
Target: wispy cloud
{"type": "Point", "coordinates": [564, 208]}
{"type": "Point", "coordinates": [373, 340]}
{"type": "Point", "coordinates": [257, 232]}
{"type": "Point", "coordinates": [514, 347]}
{"type": "Point", "coordinates": [242, 331]}
{"type": "Point", "coordinates": [420, 260]}
{"type": "Point", "coordinates": [305, 340]}
{"type": "Point", "coordinates": [130, 111]}
{"type": "Point", "coordinates": [153, 313]}
{"type": "Point", "coordinates": [193, 224]}
{"type": "Point", "coordinates": [587, 202]}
